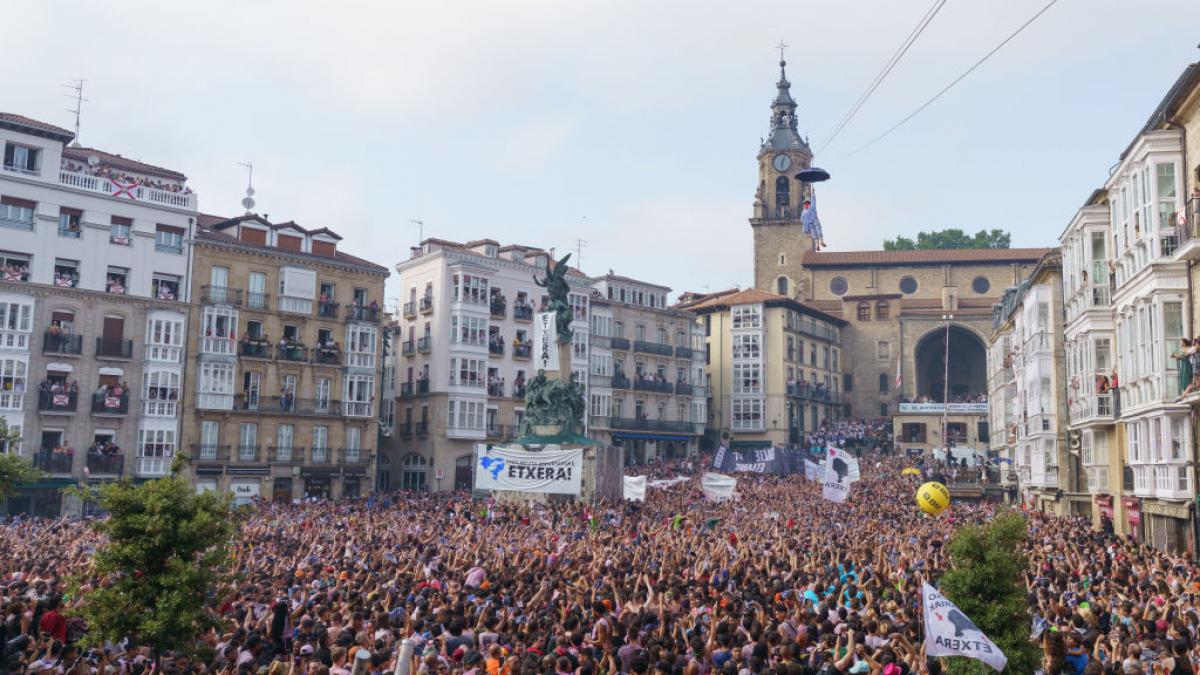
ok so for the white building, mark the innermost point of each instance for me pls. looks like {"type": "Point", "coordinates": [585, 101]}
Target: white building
{"type": "Point", "coordinates": [464, 354]}
{"type": "Point", "coordinates": [94, 257]}
{"type": "Point", "coordinates": [1150, 298]}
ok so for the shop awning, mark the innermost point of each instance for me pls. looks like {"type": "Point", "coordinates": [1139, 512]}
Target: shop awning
{"type": "Point", "coordinates": [638, 435]}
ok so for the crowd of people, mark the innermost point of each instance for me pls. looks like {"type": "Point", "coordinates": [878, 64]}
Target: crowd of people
{"type": "Point", "coordinates": [776, 581]}
{"type": "Point", "coordinates": [105, 171]}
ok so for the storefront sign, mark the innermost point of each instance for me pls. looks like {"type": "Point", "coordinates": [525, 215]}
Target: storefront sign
{"type": "Point", "coordinates": [545, 343]}
{"type": "Point", "coordinates": [1133, 510]}
{"type": "Point", "coordinates": [1105, 504]}
{"type": "Point", "coordinates": [971, 408]}
{"type": "Point", "coordinates": [1160, 508]}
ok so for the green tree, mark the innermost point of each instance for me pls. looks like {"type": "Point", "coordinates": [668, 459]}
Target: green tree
{"type": "Point", "coordinates": [14, 469]}
{"type": "Point", "coordinates": [984, 581]}
{"type": "Point", "coordinates": [952, 238]}
{"type": "Point", "coordinates": [166, 547]}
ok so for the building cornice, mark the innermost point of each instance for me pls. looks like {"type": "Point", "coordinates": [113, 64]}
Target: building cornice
{"type": "Point", "coordinates": [291, 257]}
{"type": "Point", "coordinates": [49, 290]}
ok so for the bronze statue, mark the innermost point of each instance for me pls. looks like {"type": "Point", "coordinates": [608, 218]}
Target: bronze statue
{"type": "Point", "coordinates": [555, 283]}
{"type": "Point", "coordinates": [553, 402]}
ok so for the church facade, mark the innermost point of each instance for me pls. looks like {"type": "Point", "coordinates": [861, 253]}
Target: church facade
{"type": "Point", "coordinates": [899, 307]}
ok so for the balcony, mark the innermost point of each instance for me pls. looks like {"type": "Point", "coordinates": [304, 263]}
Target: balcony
{"type": "Point", "coordinates": [422, 386]}
{"type": "Point", "coordinates": [620, 381]}
{"type": "Point", "coordinates": [64, 402]}
{"type": "Point", "coordinates": [518, 391]}
{"type": "Point", "coordinates": [114, 348]}
{"type": "Point", "coordinates": [103, 404]}
{"type": "Point", "coordinates": [675, 426]}
{"type": "Point", "coordinates": [408, 347]}
{"type": "Point", "coordinates": [254, 349]}
{"type": "Point", "coordinates": [425, 344]}
{"type": "Point", "coordinates": [369, 313]}
{"type": "Point", "coordinates": [426, 305]}
{"type": "Point", "coordinates": [106, 465]}
{"type": "Point", "coordinates": [60, 343]}
{"type": "Point", "coordinates": [422, 429]}
{"type": "Point", "coordinates": [657, 348]}
{"type": "Point", "coordinates": [300, 306]}
{"type": "Point", "coordinates": [179, 199]}
{"type": "Point", "coordinates": [203, 452]}
{"type": "Point", "coordinates": [620, 343]}
{"type": "Point", "coordinates": [407, 390]}
{"type": "Point", "coordinates": [292, 351]}
{"type": "Point", "coordinates": [290, 405]}
{"type": "Point", "coordinates": [496, 348]}
{"type": "Point", "coordinates": [327, 356]}
{"type": "Point", "coordinates": [288, 455]}
{"type": "Point", "coordinates": [354, 457]}
{"type": "Point", "coordinates": [152, 467]}
{"type": "Point", "coordinates": [523, 350]}
{"type": "Point", "coordinates": [410, 309]}
{"type": "Point", "coordinates": [822, 395]}
{"type": "Point", "coordinates": [358, 408]}
{"type": "Point", "coordinates": [1188, 234]}
{"type": "Point", "coordinates": [656, 386]}
{"type": "Point", "coordinates": [220, 295]}
{"type": "Point", "coordinates": [501, 431]}
{"type": "Point", "coordinates": [53, 462]}
{"type": "Point", "coordinates": [258, 300]}
{"type": "Point", "coordinates": [685, 353]}
{"type": "Point", "coordinates": [522, 312]}
{"type": "Point", "coordinates": [495, 389]}
{"type": "Point", "coordinates": [683, 389]}
{"type": "Point", "coordinates": [249, 453]}
{"type": "Point", "coordinates": [320, 456]}
{"type": "Point", "coordinates": [406, 430]}
{"type": "Point", "coordinates": [498, 309]}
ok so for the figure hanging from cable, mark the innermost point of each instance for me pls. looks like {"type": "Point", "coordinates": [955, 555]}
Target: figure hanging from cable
{"type": "Point", "coordinates": [812, 224]}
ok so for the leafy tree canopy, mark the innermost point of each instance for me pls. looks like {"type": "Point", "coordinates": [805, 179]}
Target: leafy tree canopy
{"type": "Point", "coordinates": [14, 469]}
{"type": "Point", "coordinates": [952, 238]}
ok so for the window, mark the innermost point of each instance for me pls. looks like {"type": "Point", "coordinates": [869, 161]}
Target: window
{"type": "Point", "coordinates": [469, 330]}
{"type": "Point", "coordinates": [465, 414]}
{"type": "Point", "coordinates": [913, 432]}
{"type": "Point", "coordinates": [883, 350]}
{"type": "Point", "coordinates": [981, 285]}
{"type": "Point", "coordinates": [251, 390]}
{"type": "Point", "coordinates": [908, 285]}
{"type": "Point", "coordinates": [747, 316]}
{"type": "Point", "coordinates": [14, 266]}
{"type": "Point", "coordinates": [217, 328]}
{"type": "Point", "coordinates": [882, 310]}
{"type": "Point", "coordinates": [13, 375]}
{"type": "Point", "coordinates": [746, 346]}
{"type": "Point", "coordinates": [155, 449]}
{"type": "Point", "coordinates": [639, 332]}
{"type": "Point", "coordinates": [15, 325]}
{"type": "Point", "coordinates": [117, 280]}
{"type": "Point", "coordinates": [248, 441]}
{"type": "Point", "coordinates": [359, 396]}
{"type": "Point", "coordinates": [884, 381]}
{"type": "Point", "coordinates": [747, 378]}
{"type": "Point", "coordinates": [781, 285]}
{"type": "Point", "coordinates": [470, 289]}
{"type": "Point", "coordinates": [66, 273]}
{"type": "Point", "coordinates": [1166, 195]}
{"type": "Point", "coordinates": [168, 239]}
{"type": "Point", "coordinates": [320, 444]}
{"type": "Point", "coordinates": [467, 373]}
{"type": "Point", "coordinates": [214, 387]}
{"type": "Point", "coordinates": [256, 291]}
{"type": "Point", "coordinates": [747, 413]}
{"type": "Point", "coordinates": [22, 158]}
{"type": "Point", "coordinates": [70, 222]}
{"type": "Point", "coordinates": [864, 311]}
{"type": "Point", "coordinates": [360, 345]}
{"type": "Point", "coordinates": [602, 364]}
{"type": "Point", "coordinates": [165, 286]}
{"type": "Point", "coordinates": [120, 231]}
{"type": "Point", "coordinates": [160, 393]}
{"type": "Point", "coordinates": [838, 286]}
{"type": "Point", "coordinates": [324, 386]}
{"type": "Point", "coordinates": [297, 289]}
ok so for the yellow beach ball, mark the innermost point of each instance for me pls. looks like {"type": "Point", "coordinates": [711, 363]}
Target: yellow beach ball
{"type": "Point", "coordinates": [933, 498]}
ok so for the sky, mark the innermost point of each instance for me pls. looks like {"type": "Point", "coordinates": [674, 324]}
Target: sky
{"type": "Point", "coordinates": [632, 125]}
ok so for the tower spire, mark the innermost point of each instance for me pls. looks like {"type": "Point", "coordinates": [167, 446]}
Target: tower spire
{"type": "Point", "coordinates": [784, 134]}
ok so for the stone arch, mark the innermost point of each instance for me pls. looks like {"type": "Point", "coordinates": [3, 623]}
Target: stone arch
{"type": "Point", "coordinates": [968, 363]}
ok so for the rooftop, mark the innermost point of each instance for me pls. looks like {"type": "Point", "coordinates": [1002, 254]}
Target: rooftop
{"type": "Point", "coordinates": [754, 296]}
{"type": "Point", "coordinates": [81, 154]}
{"type": "Point", "coordinates": [936, 256]}
{"type": "Point", "coordinates": [210, 227]}
{"type": "Point", "coordinates": [35, 127]}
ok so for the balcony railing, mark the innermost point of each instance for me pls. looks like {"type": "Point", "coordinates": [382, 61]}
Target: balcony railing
{"type": "Point", "coordinates": [220, 295]}
{"type": "Point", "coordinates": [363, 313]}
{"type": "Point", "coordinates": [683, 389]}
{"type": "Point", "coordinates": [422, 386]}
{"type": "Point", "coordinates": [652, 385]}
{"type": "Point", "coordinates": [114, 348]}
{"type": "Point", "coordinates": [255, 349]}
{"type": "Point", "coordinates": [426, 304]}
{"type": "Point", "coordinates": [813, 393]}
{"type": "Point", "coordinates": [320, 456]}
{"type": "Point", "coordinates": [294, 351]}
{"type": "Point", "coordinates": [407, 390]}
{"type": "Point", "coordinates": [620, 381]}
{"type": "Point", "coordinates": [644, 347]}
{"type": "Point", "coordinates": [327, 356]}
{"type": "Point", "coordinates": [422, 429]}
{"type": "Point", "coordinates": [498, 309]}
{"type": "Point", "coordinates": [203, 452]}
{"type": "Point", "coordinates": [104, 404]}
{"type": "Point", "coordinates": [495, 389]}
{"type": "Point", "coordinates": [523, 350]}
{"type": "Point", "coordinates": [301, 406]}
{"type": "Point", "coordinates": [522, 312]}
{"type": "Point", "coordinates": [408, 347]}
{"type": "Point", "coordinates": [410, 309]}
{"type": "Point", "coordinates": [496, 348]}
{"type": "Point", "coordinates": [685, 352]}
{"type": "Point", "coordinates": [180, 199]}
{"type": "Point", "coordinates": [258, 300]}
{"type": "Point", "coordinates": [108, 465]}
{"type": "Point", "coordinates": [53, 462]}
{"type": "Point", "coordinates": [288, 455]}
{"type": "Point", "coordinates": [249, 453]}
{"type": "Point", "coordinates": [619, 343]}
{"type": "Point", "coordinates": [424, 344]}
{"type": "Point", "coordinates": [352, 456]}
{"type": "Point", "coordinates": [60, 343]}
{"type": "Point", "coordinates": [655, 425]}
{"type": "Point", "coordinates": [64, 402]}
{"type": "Point", "coordinates": [406, 429]}
{"type": "Point", "coordinates": [358, 408]}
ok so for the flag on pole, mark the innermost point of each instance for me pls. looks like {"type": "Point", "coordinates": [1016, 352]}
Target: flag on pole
{"type": "Point", "coordinates": [948, 632]}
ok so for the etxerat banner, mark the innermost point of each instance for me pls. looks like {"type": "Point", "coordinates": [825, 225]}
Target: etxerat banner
{"type": "Point", "coordinates": [836, 486]}
{"type": "Point", "coordinates": [812, 470]}
{"type": "Point", "coordinates": [545, 343]}
{"type": "Point", "coordinates": [718, 487]}
{"type": "Point", "coordinates": [549, 471]}
{"type": "Point", "coordinates": [948, 632]}
{"type": "Point", "coordinates": [754, 460]}
{"type": "Point", "coordinates": [635, 488]}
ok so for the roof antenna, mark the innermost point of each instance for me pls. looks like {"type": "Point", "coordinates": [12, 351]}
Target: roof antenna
{"type": "Point", "coordinates": [420, 229]}
{"type": "Point", "coordinates": [580, 244]}
{"type": "Point", "coordinates": [248, 200]}
{"type": "Point", "coordinates": [76, 88]}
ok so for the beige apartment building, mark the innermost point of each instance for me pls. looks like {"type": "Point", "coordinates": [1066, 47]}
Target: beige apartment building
{"type": "Point", "coordinates": [283, 362]}
{"type": "Point", "coordinates": [774, 367]}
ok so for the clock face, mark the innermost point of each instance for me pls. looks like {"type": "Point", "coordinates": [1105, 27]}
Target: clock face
{"type": "Point", "coordinates": [782, 162]}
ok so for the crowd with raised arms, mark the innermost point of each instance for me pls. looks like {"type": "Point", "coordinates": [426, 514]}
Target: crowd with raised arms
{"type": "Point", "coordinates": [778, 581]}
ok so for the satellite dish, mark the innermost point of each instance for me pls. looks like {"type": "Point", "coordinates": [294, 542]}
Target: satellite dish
{"type": "Point", "coordinates": [93, 160]}
{"type": "Point", "coordinates": [249, 192]}
{"type": "Point", "coordinates": [248, 203]}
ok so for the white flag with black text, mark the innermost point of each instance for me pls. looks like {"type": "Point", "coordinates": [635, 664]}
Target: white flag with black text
{"type": "Point", "coordinates": [948, 632]}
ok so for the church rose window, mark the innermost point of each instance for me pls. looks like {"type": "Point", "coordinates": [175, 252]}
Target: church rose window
{"type": "Point", "coordinates": [908, 285]}
{"type": "Point", "coordinates": [981, 285]}
{"type": "Point", "coordinates": [838, 286]}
